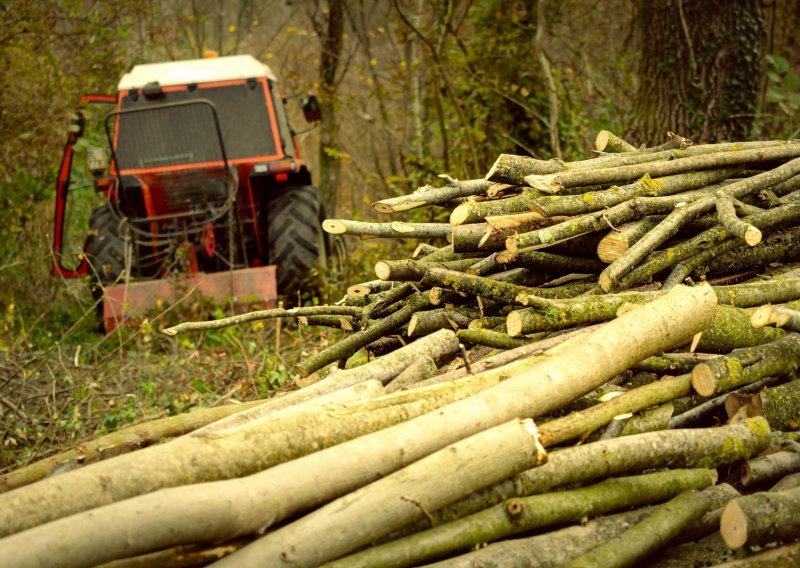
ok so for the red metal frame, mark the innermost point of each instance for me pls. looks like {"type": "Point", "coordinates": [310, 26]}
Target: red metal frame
{"type": "Point", "coordinates": [62, 191]}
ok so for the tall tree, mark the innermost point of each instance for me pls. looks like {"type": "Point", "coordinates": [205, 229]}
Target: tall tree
{"type": "Point", "coordinates": [329, 26]}
{"type": "Point", "coordinates": [699, 69]}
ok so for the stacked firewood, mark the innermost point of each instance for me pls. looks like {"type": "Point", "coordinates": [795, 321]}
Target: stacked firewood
{"type": "Point", "coordinates": [591, 364]}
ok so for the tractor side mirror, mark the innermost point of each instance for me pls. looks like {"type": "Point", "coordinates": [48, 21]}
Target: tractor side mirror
{"type": "Point", "coordinates": [76, 124]}
{"type": "Point", "coordinates": [311, 110]}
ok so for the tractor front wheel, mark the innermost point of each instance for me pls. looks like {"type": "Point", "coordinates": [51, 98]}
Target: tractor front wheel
{"type": "Point", "coordinates": [296, 240]}
{"type": "Point", "coordinates": [105, 250]}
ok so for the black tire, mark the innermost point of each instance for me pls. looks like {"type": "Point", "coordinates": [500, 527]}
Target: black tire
{"type": "Point", "coordinates": [296, 240]}
{"type": "Point", "coordinates": [105, 250]}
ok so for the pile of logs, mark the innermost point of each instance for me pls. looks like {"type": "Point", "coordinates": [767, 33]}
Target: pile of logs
{"type": "Point", "coordinates": [591, 364]}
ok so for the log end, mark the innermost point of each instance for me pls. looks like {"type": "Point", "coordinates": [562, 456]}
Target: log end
{"type": "Point", "coordinates": [460, 214]}
{"type": "Point", "coordinates": [493, 169]}
{"type": "Point", "coordinates": [733, 525]}
{"type": "Point", "coordinates": [334, 226]}
{"type": "Point", "coordinates": [383, 270]}
{"type": "Point", "coordinates": [604, 280]}
{"type": "Point", "coordinates": [762, 316]}
{"type": "Point", "coordinates": [381, 207]}
{"type": "Point", "coordinates": [601, 141]}
{"type": "Point", "coordinates": [747, 475]}
{"type": "Point", "coordinates": [611, 247]}
{"type": "Point", "coordinates": [752, 236]}
{"type": "Point", "coordinates": [514, 324]}
{"type": "Point", "coordinates": [359, 290]}
{"type": "Point", "coordinates": [512, 244]}
{"type": "Point", "coordinates": [412, 325]}
{"type": "Point", "coordinates": [402, 227]}
{"type": "Point", "coordinates": [703, 380]}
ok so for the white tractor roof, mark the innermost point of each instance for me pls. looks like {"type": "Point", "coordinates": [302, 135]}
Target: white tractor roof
{"type": "Point", "coordinates": [228, 68]}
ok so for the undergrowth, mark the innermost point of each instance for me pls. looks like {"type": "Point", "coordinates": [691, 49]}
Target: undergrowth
{"type": "Point", "coordinates": [63, 381]}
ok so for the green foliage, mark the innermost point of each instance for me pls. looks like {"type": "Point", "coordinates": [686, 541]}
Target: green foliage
{"type": "Point", "coordinates": [783, 98]}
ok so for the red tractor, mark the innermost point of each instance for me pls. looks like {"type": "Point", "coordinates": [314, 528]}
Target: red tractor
{"type": "Point", "coordinates": [205, 177]}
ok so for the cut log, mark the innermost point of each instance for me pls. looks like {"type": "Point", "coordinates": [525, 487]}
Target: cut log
{"type": "Point", "coordinates": [768, 469]}
{"type": "Point", "coordinates": [649, 535]}
{"type": "Point", "coordinates": [710, 447]}
{"type": "Point", "coordinates": [761, 518]}
{"type": "Point", "coordinates": [126, 440]}
{"type": "Point", "coordinates": [429, 195]}
{"type": "Point", "coordinates": [523, 514]}
{"type": "Point", "coordinates": [398, 499]}
{"type": "Point", "coordinates": [780, 405]}
{"type": "Point", "coordinates": [348, 346]}
{"type": "Point", "coordinates": [787, 556]}
{"type": "Point", "coordinates": [743, 366]}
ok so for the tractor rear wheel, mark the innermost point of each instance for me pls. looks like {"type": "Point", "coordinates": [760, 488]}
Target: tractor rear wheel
{"type": "Point", "coordinates": [296, 240]}
{"type": "Point", "coordinates": [105, 250]}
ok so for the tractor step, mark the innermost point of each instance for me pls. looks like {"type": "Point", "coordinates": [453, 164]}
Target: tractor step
{"type": "Point", "coordinates": [124, 303]}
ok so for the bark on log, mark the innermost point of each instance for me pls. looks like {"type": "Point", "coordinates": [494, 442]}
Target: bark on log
{"type": "Point", "coordinates": [513, 169]}
{"type": "Point", "coordinates": [401, 498]}
{"type": "Point", "coordinates": [787, 556]}
{"type": "Point", "coordinates": [650, 535]}
{"type": "Point", "coordinates": [589, 202]}
{"type": "Point", "coordinates": [527, 513]}
{"type": "Point", "coordinates": [124, 441]}
{"type": "Point", "coordinates": [489, 337]}
{"type": "Point", "coordinates": [554, 183]}
{"type": "Point", "coordinates": [429, 195]}
{"type": "Point", "coordinates": [607, 141]}
{"type": "Point", "coordinates": [436, 345]}
{"type": "Point", "coordinates": [429, 321]}
{"type": "Point", "coordinates": [207, 503]}
{"type": "Point", "coordinates": [582, 423]}
{"type": "Point", "coordinates": [715, 237]}
{"type": "Point", "coordinates": [735, 226]}
{"type": "Point", "coordinates": [477, 211]}
{"type": "Point", "coordinates": [743, 366]}
{"type": "Point", "coordinates": [690, 410]}
{"type": "Point", "coordinates": [260, 315]}
{"type": "Point", "coordinates": [778, 316]}
{"type": "Point", "coordinates": [395, 229]}
{"type": "Point", "coordinates": [348, 346]}
{"type": "Point", "coordinates": [731, 330]}
{"type": "Point", "coordinates": [708, 447]}
{"type": "Point", "coordinates": [768, 469]}
{"type": "Point", "coordinates": [414, 270]}
{"type": "Point", "coordinates": [761, 518]}
{"type": "Point", "coordinates": [419, 370]}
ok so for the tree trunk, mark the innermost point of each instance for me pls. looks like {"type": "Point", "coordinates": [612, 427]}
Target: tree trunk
{"type": "Point", "coordinates": [331, 35]}
{"type": "Point", "coordinates": [699, 69]}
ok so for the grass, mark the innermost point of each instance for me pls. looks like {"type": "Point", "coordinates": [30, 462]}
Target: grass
{"type": "Point", "coordinates": [87, 384]}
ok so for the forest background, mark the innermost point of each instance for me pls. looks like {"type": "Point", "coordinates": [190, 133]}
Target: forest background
{"type": "Point", "coordinates": [409, 89]}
